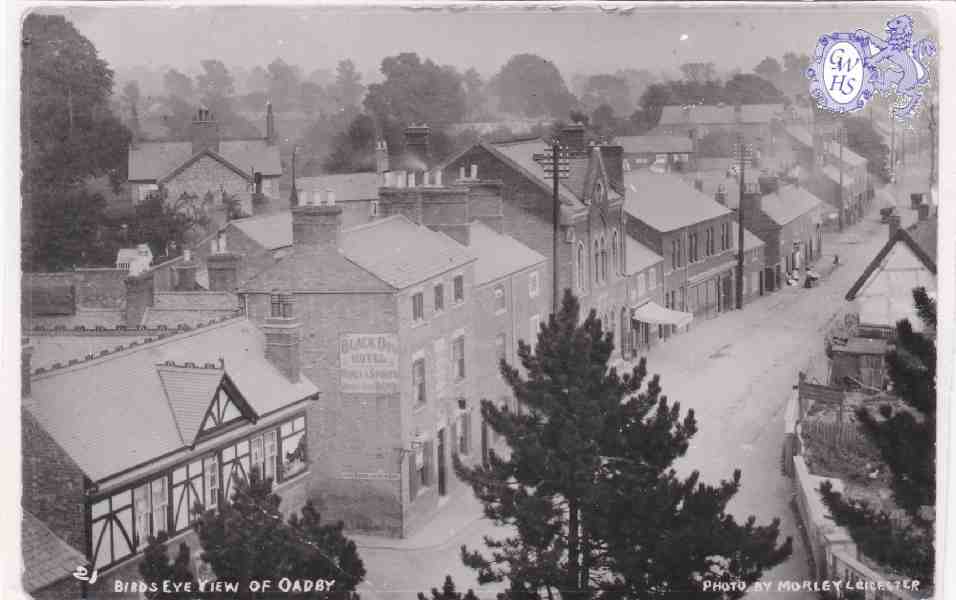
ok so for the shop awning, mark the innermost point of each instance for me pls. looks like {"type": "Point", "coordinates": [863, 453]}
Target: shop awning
{"type": "Point", "coordinates": [651, 312]}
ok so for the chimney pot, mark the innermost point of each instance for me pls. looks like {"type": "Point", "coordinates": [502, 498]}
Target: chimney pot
{"type": "Point", "coordinates": [923, 211]}
{"type": "Point", "coordinates": [317, 226]}
{"type": "Point", "coordinates": [283, 335]}
{"type": "Point", "coordinates": [894, 225]}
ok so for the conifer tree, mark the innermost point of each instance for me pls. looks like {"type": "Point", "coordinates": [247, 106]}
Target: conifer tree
{"type": "Point", "coordinates": [448, 592]}
{"type": "Point", "coordinates": [906, 438]}
{"type": "Point", "coordinates": [588, 488]}
{"type": "Point", "coordinates": [156, 570]}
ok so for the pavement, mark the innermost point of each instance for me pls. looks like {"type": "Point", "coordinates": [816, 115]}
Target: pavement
{"type": "Point", "coordinates": [736, 371]}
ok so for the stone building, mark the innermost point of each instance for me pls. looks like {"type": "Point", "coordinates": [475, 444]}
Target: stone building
{"type": "Point", "coordinates": [663, 152]}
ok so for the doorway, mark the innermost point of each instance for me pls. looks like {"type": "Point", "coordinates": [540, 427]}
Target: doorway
{"type": "Point", "coordinates": [442, 486]}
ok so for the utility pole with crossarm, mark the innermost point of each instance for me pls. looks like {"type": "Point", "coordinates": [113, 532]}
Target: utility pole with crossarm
{"type": "Point", "coordinates": [556, 163]}
{"type": "Point", "coordinates": [742, 154]}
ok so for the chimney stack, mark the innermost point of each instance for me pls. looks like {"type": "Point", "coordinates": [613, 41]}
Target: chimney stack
{"type": "Point", "coordinates": [915, 200]}
{"type": "Point", "coordinates": [923, 211]}
{"type": "Point", "coordinates": [186, 273]}
{"type": "Point", "coordinates": [381, 156]}
{"type": "Point", "coordinates": [769, 184]}
{"type": "Point", "coordinates": [317, 226]}
{"type": "Point", "coordinates": [894, 225]}
{"type": "Point", "coordinates": [139, 297]}
{"type": "Point", "coordinates": [572, 137]}
{"type": "Point", "coordinates": [416, 147]}
{"type": "Point", "coordinates": [222, 267]}
{"type": "Point", "coordinates": [270, 125]}
{"type": "Point", "coordinates": [204, 133]}
{"type": "Point", "coordinates": [283, 333]}
{"type": "Point", "coordinates": [26, 353]}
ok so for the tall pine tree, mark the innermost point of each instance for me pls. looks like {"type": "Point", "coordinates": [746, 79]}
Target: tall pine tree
{"type": "Point", "coordinates": [588, 488]}
{"type": "Point", "coordinates": [160, 574]}
{"type": "Point", "coordinates": [906, 438]}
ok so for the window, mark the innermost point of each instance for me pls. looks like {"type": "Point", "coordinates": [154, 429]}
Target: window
{"type": "Point", "coordinates": [211, 472]}
{"type": "Point", "coordinates": [614, 254]}
{"type": "Point", "coordinates": [111, 529]}
{"type": "Point", "coordinates": [597, 262]}
{"type": "Point", "coordinates": [418, 380]}
{"type": "Point", "coordinates": [652, 279]}
{"type": "Point", "coordinates": [464, 433]}
{"type": "Point", "coordinates": [674, 257]}
{"type": "Point", "coordinates": [533, 329]}
{"type": "Point", "coordinates": [420, 462]}
{"type": "Point", "coordinates": [373, 208]}
{"type": "Point", "coordinates": [280, 306]}
{"type": "Point", "coordinates": [603, 261]}
{"type": "Point", "coordinates": [582, 262]}
{"type": "Point", "coordinates": [640, 285]}
{"type": "Point", "coordinates": [692, 247]}
{"type": "Point", "coordinates": [258, 457]}
{"type": "Point", "coordinates": [272, 452]}
{"type": "Point", "coordinates": [149, 506]}
{"type": "Point", "coordinates": [459, 288]}
{"type": "Point", "coordinates": [439, 297]}
{"type": "Point", "coordinates": [418, 307]}
{"type": "Point", "coordinates": [499, 299]}
{"type": "Point", "coordinates": [533, 285]}
{"type": "Point", "coordinates": [501, 341]}
{"type": "Point", "coordinates": [458, 356]}
{"type": "Point", "coordinates": [293, 445]}
{"type": "Point", "coordinates": [724, 236]}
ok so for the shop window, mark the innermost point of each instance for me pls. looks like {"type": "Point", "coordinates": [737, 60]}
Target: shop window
{"type": "Point", "coordinates": [459, 283]}
{"type": "Point", "coordinates": [418, 307]}
{"type": "Point", "coordinates": [458, 357]}
{"type": "Point", "coordinates": [439, 297]}
{"type": "Point", "coordinates": [293, 447]}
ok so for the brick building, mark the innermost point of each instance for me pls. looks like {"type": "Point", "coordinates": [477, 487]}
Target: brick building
{"type": "Point", "coordinates": [755, 262]}
{"type": "Point", "coordinates": [207, 165]}
{"type": "Point", "coordinates": [178, 418]}
{"type": "Point", "coordinates": [692, 233]}
{"type": "Point", "coordinates": [645, 293]}
{"type": "Point", "coordinates": [590, 245]}
{"type": "Point", "coordinates": [788, 219]}
{"type": "Point", "coordinates": [386, 311]}
{"type": "Point", "coordinates": [758, 124]}
{"type": "Point", "coordinates": [663, 152]}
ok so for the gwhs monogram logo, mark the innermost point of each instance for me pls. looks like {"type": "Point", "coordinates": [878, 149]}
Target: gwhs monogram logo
{"type": "Point", "coordinates": [849, 68]}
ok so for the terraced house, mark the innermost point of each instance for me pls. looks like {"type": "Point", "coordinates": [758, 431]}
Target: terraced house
{"type": "Point", "coordinates": [123, 444]}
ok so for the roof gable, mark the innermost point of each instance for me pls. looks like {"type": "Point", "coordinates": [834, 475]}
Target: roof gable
{"type": "Point", "coordinates": [201, 399]}
{"type": "Point", "coordinates": [665, 202]}
{"type": "Point", "coordinates": [901, 236]}
{"type": "Point", "coordinates": [198, 156]}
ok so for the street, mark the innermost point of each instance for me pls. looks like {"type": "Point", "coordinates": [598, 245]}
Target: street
{"type": "Point", "coordinates": [736, 372]}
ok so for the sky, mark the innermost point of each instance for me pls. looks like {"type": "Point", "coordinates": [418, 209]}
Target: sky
{"type": "Point", "coordinates": [578, 39]}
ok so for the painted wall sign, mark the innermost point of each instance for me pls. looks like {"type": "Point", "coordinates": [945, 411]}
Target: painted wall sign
{"type": "Point", "coordinates": [368, 363]}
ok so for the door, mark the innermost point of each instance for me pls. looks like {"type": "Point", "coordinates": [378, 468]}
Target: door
{"type": "Point", "coordinates": [726, 293]}
{"type": "Point", "coordinates": [442, 488]}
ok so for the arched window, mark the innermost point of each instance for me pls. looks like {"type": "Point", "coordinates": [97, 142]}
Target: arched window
{"type": "Point", "coordinates": [581, 266]}
{"type": "Point", "coordinates": [597, 263]}
{"type": "Point", "coordinates": [614, 254]}
{"type": "Point", "coordinates": [603, 260]}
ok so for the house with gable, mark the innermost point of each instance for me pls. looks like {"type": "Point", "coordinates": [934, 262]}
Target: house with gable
{"type": "Point", "coordinates": [883, 293]}
{"type": "Point", "coordinates": [132, 438]}
{"type": "Point", "coordinates": [590, 245]}
{"type": "Point", "coordinates": [207, 166]}
{"type": "Point", "coordinates": [386, 316]}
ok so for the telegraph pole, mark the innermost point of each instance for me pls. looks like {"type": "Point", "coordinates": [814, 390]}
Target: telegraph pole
{"type": "Point", "coordinates": [932, 145]}
{"type": "Point", "coordinates": [742, 153]}
{"type": "Point", "coordinates": [556, 163]}
{"type": "Point", "coordinates": [840, 133]}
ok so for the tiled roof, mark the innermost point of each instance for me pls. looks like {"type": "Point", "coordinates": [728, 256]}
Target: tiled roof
{"type": "Point", "coordinates": [643, 144]}
{"type": "Point", "coordinates": [849, 156]}
{"type": "Point", "coordinates": [402, 253]}
{"type": "Point", "coordinates": [190, 392]}
{"type": "Point", "coordinates": [709, 114]}
{"type": "Point", "coordinates": [309, 271]}
{"type": "Point", "coordinates": [520, 156]}
{"type": "Point", "coordinates": [760, 113]}
{"type": "Point", "coordinates": [345, 186]}
{"type": "Point", "coordinates": [788, 203]}
{"type": "Point", "coordinates": [665, 202]}
{"type": "Point", "coordinates": [801, 134]}
{"type": "Point", "coordinates": [638, 256]}
{"type": "Point", "coordinates": [272, 231]}
{"type": "Point", "coordinates": [921, 237]}
{"type": "Point", "coordinates": [498, 255]}
{"type": "Point", "coordinates": [50, 349]}
{"type": "Point", "coordinates": [751, 241]}
{"type": "Point", "coordinates": [89, 318]}
{"type": "Point", "coordinates": [154, 318]}
{"type": "Point", "coordinates": [46, 558]}
{"type": "Point", "coordinates": [195, 301]}
{"type": "Point", "coordinates": [132, 422]}
{"type": "Point", "coordinates": [150, 161]}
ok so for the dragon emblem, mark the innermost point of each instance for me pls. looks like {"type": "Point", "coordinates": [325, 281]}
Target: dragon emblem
{"type": "Point", "coordinates": [904, 73]}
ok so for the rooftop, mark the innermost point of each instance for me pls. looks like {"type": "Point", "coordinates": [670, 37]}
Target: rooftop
{"type": "Point", "coordinates": [849, 156]}
{"type": "Point", "coordinates": [710, 114]}
{"type": "Point", "coordinates": [801, 134]}
{"type": "Point", "coordinates": [644, 144]}
{"type": "Point", "coordinates": [788, 203]}
{"type": "Point", "coordinates": [153, 160]}
{"type": "Point", "coordinates": [498, 255]}
{"type": "Point", "coordinates": [346, 186]}
{"type": "Point", "coordinates": [638, 257]}
{"type": "Point", "coordinates": [135, 421]}
{"type": "Point", "coordinates": [920, 237]}
{"type": "Point", "coordinates": [665, 202]}
{"type": "Point", "coordinates": [46, 558]}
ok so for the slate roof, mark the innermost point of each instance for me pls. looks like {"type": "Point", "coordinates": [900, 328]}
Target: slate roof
{"type": "Point", "coordinates": [49, 349]}
{"type": "Point", "coordinates": [152, 160]}
{"type": "Point", "coordinates": [665, 202]}
{"type": "Point", "coordinates": [920, 237]}
{"type": "Point", "coordinates": [88, 318]}
{"type": "Point", "coordinates": [519, 155]}
{"type": "Point", "coordinates": [112, 413]}
{"type": "Point", "coordinates": [751, 241]}
{"type": "Point", "coordinates": [154, 318]}
{"type": "Point", "coordinates": [662, 144]}
{"type": "Point", "coordinates": [788, 203]}
{"type": "Point", "coordinates": [271, 231]}
{"type": "Point", "coordinates": [710, 114]}
{"type": "Point", "coordinates": [849, 156]}
{"type": "Point", "coordinates": [638, 257]}
{"type": "Point", "coordinates": [498, 255]}
{"type": "Point", "coordinates": [833, 174]}
{"type": "Point", "coordinates": [195, 300]}
{"type": "Point", "coordinates": [190, 392]}
{"type": "Point", "coordinates": [46, 558]}
{"type": "Point", "coordinates": [346, 186]}
{"type": "Point", "coordinates": [384, 255]}
{"type": "Point", "coordinates": [800, 134]}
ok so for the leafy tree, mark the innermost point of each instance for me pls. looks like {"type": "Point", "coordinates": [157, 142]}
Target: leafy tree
{"type": "Point", "coordinates": [132, 98]}
{"type": "Point", "coordinates": [178, 85]}
{"type": "Point", "coordinates": [716, 144]}
{"type": "Point", "coordinates": [865, 140]}
{"type": "Point", "coordinates": [348, 89]}
{"type": "Point", "coordinates": [283, 80]}
{"type": "Point", "coordinates": [448, 592]}
{"type": "Point", "coordinates": [532, 86]}
{"type": "Point", "coordinates": [416, 92]}
{"type": "Point", "coordinates": [258, 80]}
{"type": "Point", "coordinates": [906, 438]}
{"type": "Point", "coordinates": [156, 569]}
{"type": "Point", "coordinates": [608, 90]}
{"type": "Point", "coordinates": [247, 540]}
{"type": "Point", "coordinates": [354, 149]}
{"type": "Point", "coordinates": [747, 88]}
{"type": "Point", "coordinates": [794, 81]}
{"type": "Point", "coordinates": [215, 80]}
{"type": "Point", "coordinates": [589, 489]}
{"type": "Point", "coordinates": [475, 95]}
{"type": "Point", "coordinates": [769, 69]}
{"type": "Point", "coordinates": [699, 72]}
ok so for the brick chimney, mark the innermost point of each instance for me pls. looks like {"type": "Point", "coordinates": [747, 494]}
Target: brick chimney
{"type": "Point", "coordinates": [572, 137]}
{"type": "Point", "coordinates": [283, 332]}
{"type": "Point", "coordinates": [317, 226]}
{"type": "Point", "coordinates": [26, 353]}
{"type": "Point", "coordinates": [186, 273]}
{"type": "Point", "coordinates": [769, 184]}
{"type": "Point", "coordinates": [751, 204]}
{"type": "Point", "coordinates": [139, 297]}
{"type": "Point", "coordinates": [915, 200]}
{"type": "Point", "coordinates": [416, 147]}
{"type": "Point", "coordinates": [894, 225]}
{"type": "Point", "coordinates": [222, 266]}
{"type": "Point", "coordinates": [270, 125]}
{"type": "Point", "coordinates": [923, 211]}
{"type": "Point", "coordinates": [204, 133]}
{"type": "Point", "coordinates": [613, 158]}
{"type": "Point", "coordinates": [381, 157]}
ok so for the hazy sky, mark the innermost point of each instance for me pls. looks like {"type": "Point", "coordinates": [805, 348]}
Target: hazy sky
{"type": "Point", "coordinates": [577, 39]}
